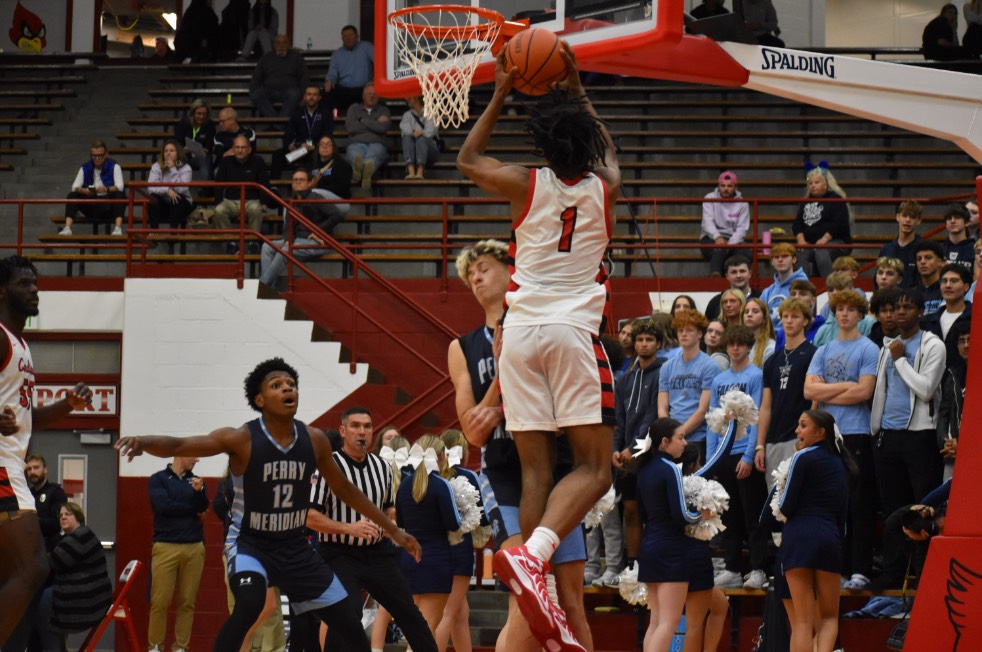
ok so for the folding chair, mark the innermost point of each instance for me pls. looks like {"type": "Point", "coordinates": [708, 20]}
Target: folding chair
{"type": "Point", "coordinates": [119, 610]}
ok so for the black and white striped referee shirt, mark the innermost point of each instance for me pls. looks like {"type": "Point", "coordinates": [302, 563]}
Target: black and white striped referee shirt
{"type": "Point", "coordinates": [372, 475]}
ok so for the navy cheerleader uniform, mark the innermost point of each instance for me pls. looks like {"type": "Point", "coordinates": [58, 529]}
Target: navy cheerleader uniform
{"type": "Point", "coordinates": [429, 521]}
{"type": "Point", "coordinates": [665, 549]}
{"type": "Point", "coordinates": [701, 559]}
{"type": "Point", "coordinates": [814, 500]}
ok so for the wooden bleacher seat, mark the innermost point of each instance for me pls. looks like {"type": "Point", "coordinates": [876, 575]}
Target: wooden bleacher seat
{"type": "Point", "coordinates": [44, 81]}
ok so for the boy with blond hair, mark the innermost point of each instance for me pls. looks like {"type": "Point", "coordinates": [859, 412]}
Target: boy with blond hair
{"type": "Point", "coordinates": [889, 272]}
{"type": "Point", "coordinates": [784, 258]}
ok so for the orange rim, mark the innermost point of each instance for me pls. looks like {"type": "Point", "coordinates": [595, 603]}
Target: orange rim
{"type": "Point", "coordinates": [494, 18]}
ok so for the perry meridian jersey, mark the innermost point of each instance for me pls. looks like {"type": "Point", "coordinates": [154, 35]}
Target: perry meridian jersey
{"type": "Point", "coordinates": [556, 251]}
{"type": "Point", "coordinates": [17, 393]}
{"type": "Point", "coordinates": [272, 495]}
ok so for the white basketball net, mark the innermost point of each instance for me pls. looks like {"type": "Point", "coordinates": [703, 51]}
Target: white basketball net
{"type": "Point", "coordinates": [442, 48]}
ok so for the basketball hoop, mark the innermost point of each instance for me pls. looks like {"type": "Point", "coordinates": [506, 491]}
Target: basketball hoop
{"type": "Point", "coordinates": [442, 45]}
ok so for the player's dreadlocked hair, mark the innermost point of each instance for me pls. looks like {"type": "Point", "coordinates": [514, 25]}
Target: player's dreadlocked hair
{"type": "Point", "coordinates": [566, 135]}
{"type": "Point", "coordinates": [254, 381]}
{"type": "Point", "coordinates": [9, 264]}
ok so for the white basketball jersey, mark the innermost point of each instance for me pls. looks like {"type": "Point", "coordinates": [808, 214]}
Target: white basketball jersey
{"type": "Point", "coordinates": [557, 249]}
{"type": "Point", "coordinates": [17, 393]}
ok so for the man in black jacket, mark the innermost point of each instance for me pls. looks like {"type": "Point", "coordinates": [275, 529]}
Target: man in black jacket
{"type": "Point", "coordinates": [279, 76]}
{"type": "Point", "coordinates": [48, 498]}
{"type": "Point", "coordinates": [325, 216]}
{"type": "Point", "coordinates": [308, 124]}
{"type": "Point", "coordinates": [243, 166]}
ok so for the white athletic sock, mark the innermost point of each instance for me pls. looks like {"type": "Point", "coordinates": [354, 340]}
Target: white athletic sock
{"type": "Point", "coordinates": [542, 543]}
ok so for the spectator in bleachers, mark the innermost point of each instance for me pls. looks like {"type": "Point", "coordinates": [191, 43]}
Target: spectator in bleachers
{"type": "Point", "coordinates": [972, 39]}
{"type": "Point", "coordinates": [958, 247]}
{"type": "Point", "coordinates": [713, 346]}
{"type": "Point", "coordinates": [736, 473]}
{"type": "Point", "coordinates": [757, 318]}
{"type": "Point", "coordinates": [636, 407]}
{"type": "Point", "coordinates": [80, 591]}
{"type": "Point", "coordinates": [197, 34]}
{"type": "Point", "coordinates": [904, 413]}
{"type": "Point", "coordinates": [850, 359]}
{"type": "Point", "coordinates": [308, 124]}
{"type": "Point", "coordinates": [847, 265]}
{"type": "Point", "coordinates": [48, 499]}
{"type": "Point", "coordinates": [419, 139]}
{"type": "Point", "coordinates": [940, 37]}
{"type": "Point", "coordinates": [835, 283]}
{"type": "Point", "coordinates": [783, 399]}
{"type": "Point", "coordinates": [625, 337]}
{"type": "Point", "coordinates": [784, 257]}
{"type": "Point", "coordinates": [171, 204]}
{"type": "Point", "coordinates": [889, 272]}
{"type": "Point", "coordinates": [709, 8]}
{"type": "Point", "coordinates": [680, 303]}
{"type": "Point", "coordinates": [228, 130]}
{"type": "Point", "coordinates": [99, 178]}
{"type": "Point", "coordinates": [977, 270]}
{"type": "Point", "coordinates": [821, 223]}
{"type": "Point", "coordinates": [329, 172]}
{"type": "Point", "coordinates": [953, 397]}
{"type": "Point", "coordinates": [264, 24]}
{"type": "Point", "coordinates": [669, 340]}
{"type": "Point", "coordinates": [368, 149]}
{"type": "Point", "coordinates": [279, 76]}
{"type": "Point", "coordinates": [909, 215]}
{"type": "Point", "coordinates": [806, 292]}
{"type": "Point", "coordinates": [930, 259]}
{"type": "Point", "coordinates": [161, 49]}
{"type": "Point", "coordinates": [325, 216]}
{"type": "Point", "coordinates": [972, 206]}
{"type": "Point", "coordinates": [882, 305]}
{"type": "Point", "coordinates": [234, 28]}
{"type": "Point", "coordinates": [761, 18]}
{"type": "Point", "coordinates": [197, 126]}
{"type": "Point", "coordinates": [351, 68]}
{"type": "Point", "coordinates": [737, 272]}
{"type": "Point", "coordinates": [957, 308]}
{"type": "Point", "coordinates": [242, 166]}
{"type": "Point", "coordinates": [723, 223]}
{"type": "Point", "coordinates": [731, 307]}
{"type": "Point", "coordinates": [685, 380]}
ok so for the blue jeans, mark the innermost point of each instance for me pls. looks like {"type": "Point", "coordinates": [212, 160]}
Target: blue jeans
{"type": "Point", "coordinates": [376, 152]}
{"type": "Point", "coordinates": [273, 263]}
{"type": "Point", "coordinates": [419, 151]}
{"type": "Point", "coordinates": [263, 99]}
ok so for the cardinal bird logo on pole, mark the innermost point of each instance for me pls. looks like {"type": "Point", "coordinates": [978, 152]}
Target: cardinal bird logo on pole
{"type": "Point", "coordinates": [27, 30]}
{"type": "Point", "coordinates": [964, 601]}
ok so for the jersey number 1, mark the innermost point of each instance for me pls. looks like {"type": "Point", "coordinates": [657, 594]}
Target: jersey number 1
{"type": "Point", "coordinates": [568, 218]}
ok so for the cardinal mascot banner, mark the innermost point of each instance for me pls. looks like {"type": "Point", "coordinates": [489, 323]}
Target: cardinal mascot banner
{"type": "Point", "coordinates": [32, 26]}
{"type": "Point", "coordinates": [947, 615]}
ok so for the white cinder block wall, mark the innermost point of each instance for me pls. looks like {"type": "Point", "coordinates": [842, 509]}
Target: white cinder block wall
{"type": "Point", "coordinates": [187, 347]}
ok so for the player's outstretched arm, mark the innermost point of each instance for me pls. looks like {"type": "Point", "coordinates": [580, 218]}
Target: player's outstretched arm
{"type": "Point", "coordinates": [214, 443]}
{"type": "Point", "coordinates": [78, 397]}
{"type": "Point", "coordinates": [353, 497]}
{"type": "Point", "coordinates": [490, 174]}
{"type": "Point", "coordinates": [477, 420]}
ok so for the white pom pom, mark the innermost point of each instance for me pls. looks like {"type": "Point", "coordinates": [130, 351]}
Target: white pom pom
{"type": "Point", "coordinates": [467, 499]}
{"type": "Point", "coordinates": [733, 405]}
{"type": "Point", "coordinates": [481, 535]}
{"type": "Point", "coordinates": [780, 475]}
{"type": "Point", "coordinates": [631, 590]}
{"type": "Point", "coordinates": [600, 509]}
{"type": "Point", "coordinates": [702, 494]}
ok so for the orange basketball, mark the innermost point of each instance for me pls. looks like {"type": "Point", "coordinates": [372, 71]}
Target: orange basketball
{"type": "Point", "coordinates": [537, 56]}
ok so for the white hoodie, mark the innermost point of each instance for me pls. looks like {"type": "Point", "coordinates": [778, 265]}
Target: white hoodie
{"type": "Point", "coordinates": [726, 219]}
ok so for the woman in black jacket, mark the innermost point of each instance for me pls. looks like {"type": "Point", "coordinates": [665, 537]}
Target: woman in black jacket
{"type": "Point", "coordinates": [821, 222]}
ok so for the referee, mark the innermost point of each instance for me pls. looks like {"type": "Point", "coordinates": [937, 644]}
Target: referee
{"type": "Point", "coordinates": [353, 545]}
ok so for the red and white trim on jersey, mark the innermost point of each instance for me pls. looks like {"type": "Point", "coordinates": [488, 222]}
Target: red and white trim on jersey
{"type": "Point", "coordinates": [556, 253]}
{"type": "Point", "coordinates": [17, 393]}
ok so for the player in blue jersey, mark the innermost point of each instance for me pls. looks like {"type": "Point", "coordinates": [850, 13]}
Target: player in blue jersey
{"type": "Point", "coordinates": [271, 460]}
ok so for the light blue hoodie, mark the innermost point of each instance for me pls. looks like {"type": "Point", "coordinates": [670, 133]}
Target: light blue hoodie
{"type": "Point", "coordinates": [774, 294]}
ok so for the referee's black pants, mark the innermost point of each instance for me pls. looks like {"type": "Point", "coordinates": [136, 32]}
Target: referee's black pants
{"type": "Point", "coordinates": [376, 570]}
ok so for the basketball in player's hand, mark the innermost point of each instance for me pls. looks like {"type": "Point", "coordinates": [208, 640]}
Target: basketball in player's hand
{"type": "Point", "coordinates": [536, 54]}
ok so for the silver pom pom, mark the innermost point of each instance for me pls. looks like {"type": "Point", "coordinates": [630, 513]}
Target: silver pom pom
{"type": "Point", "coordinates": [780, 475]}
{"type": "Point", "coordinates": [702, 494]}
{"type": "Point", "coordinates": [632, 591]}
{"type": "Point", "coordinates": [733, 405]}
{"type": "Point", "coordinates": [600, 509]}
{"type": "Point", "coordinates": [467, 499]}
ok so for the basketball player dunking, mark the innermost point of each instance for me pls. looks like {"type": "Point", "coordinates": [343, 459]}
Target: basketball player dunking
{"type": "Point", "coordinates": [553, 371]}
{"type": "Point", "coordinates": [23, 559]}
{"type": "Point", "coordinates": [271, 460]}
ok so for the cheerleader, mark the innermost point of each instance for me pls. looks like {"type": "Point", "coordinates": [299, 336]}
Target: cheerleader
{"type": "Point", "coordinates": [666, 551]}
{"type": "Point", "coordinates": [455, 622]}
{"type": "Point", "coordinates": [813, 500]}
{"type": "Point", "coordinates": [426, 508]}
